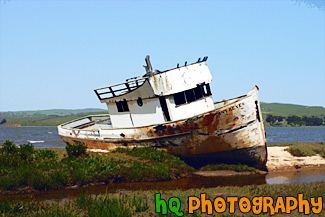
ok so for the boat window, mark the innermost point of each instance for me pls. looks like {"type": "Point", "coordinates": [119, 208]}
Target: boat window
{"type": "Point", "coordinates": [192, 94]}
{"type": "Point", "coordinates": [190, 97]}
{"type": "Point", "coordinates": [139, 101]}
{"type": "Point", "coordinates": [122, 106]}
{"type": "Point", "coordinates": [179, 98]}
{"type": "Point", "coordinates": [207, 90]}
{"type": "Point", "coordinates": [198, 92]}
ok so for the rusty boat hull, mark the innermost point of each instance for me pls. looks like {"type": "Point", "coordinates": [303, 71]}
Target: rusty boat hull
{"type": "Point", "coordinates": [231, 133]}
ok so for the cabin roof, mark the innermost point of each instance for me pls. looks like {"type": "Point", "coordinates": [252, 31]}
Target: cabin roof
{"type": "Point", "coordinates": [120, 89]}
{"type": "Point", "coordinates": [132, 84]}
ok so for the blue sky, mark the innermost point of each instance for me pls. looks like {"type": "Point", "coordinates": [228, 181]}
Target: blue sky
{"type": "Point", "coordinates": [54, 53]}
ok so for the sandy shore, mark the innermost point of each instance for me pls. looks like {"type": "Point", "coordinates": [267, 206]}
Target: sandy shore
{"type": "Point", "coordinates": [279, 159]}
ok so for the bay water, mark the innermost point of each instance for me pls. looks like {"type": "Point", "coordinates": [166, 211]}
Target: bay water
{"type": "Point", "coordinates": [47, 137]}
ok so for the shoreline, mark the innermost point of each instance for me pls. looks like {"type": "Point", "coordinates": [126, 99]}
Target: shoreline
{"type": "Point", "coordinates": [281, 160]}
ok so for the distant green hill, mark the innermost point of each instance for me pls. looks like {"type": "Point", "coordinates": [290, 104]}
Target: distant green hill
{"type": "Point", "coordinates": [50, 112]}
{"type": "Point", "coordinates": [54, 117]}
{"type": "Point", "coordinates": [291, 109]}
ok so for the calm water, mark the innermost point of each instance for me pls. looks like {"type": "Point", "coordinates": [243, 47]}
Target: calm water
{"type": "Point", "coordinates": [47, 137]}
{"type": "Point", "coordinates": [294, 134]}
{"type": "Point", "coordinates": [195, 182]}
{"type": "Point", "coordinates": [41, 137]}
{"type": "Point", "coordinates": [294, 177]}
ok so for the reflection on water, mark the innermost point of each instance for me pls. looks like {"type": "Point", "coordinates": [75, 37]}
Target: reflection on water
{"type": "Point", "coordinates": [195, 182]}
{"type": "Point", "coordinates": [295, 177]}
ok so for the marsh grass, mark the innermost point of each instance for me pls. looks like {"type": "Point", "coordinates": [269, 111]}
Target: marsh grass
{"type": "Point", "coordinates": [9, 208]}
{"type": "Point", "coordinates": [307, 149]}
{"type": "Point", "coordinates": [59, 211]}
{"type": "Point", "coordinates": [84, 205]}
{"type": "Point", "coordinates": [23, 166]}
{"type": "Point", "coordinates": [76, 150]}
{"type": "Point", "coordinates": [164, 164]}
{"type": "Point", "coordinates": [152, 154]}
{"type": "Point", "coordinates": [106, 205]}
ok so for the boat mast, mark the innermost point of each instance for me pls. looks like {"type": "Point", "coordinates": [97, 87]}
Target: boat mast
{"type": "Point", "coordinates": [148, 67]}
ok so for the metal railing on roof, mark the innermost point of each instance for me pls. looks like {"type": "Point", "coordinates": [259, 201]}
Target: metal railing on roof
{"type": "Point", "coordinates": [119, 89]}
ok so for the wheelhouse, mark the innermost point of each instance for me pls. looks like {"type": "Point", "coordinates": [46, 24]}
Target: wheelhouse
{"type": "Point", "coordinates": [159, 97]}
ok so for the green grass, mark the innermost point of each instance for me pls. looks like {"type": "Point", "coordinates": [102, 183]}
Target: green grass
{"type": "Point", "coordinates": [107, 205]}
{"type": "Point", "coordinates": [237, 168]}
{"type": "Point", "coordinates": [60, 153]}
{"type": "Point", "coordinates": [303, 149]}
{"type": "Point", "coordinates": [152, 154]}
{"type": "Point", "coordinates": [23, 166]}
{"type": "Point", "coordinates": [166, 165]}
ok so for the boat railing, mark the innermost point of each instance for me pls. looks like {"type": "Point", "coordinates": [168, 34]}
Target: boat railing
{"type": "Point", "coordinates": [101, 119]}
{"type": "Point", "coordinates": [92, 123]}
{"type": "Point", "coordinates": [119, 89]}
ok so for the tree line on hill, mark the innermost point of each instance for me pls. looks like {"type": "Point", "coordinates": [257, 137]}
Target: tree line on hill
{"type": "Point", "coordinates": [295, 120]}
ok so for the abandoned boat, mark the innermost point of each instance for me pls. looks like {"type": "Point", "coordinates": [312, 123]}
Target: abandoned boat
{"type": "Point", "coordinates": [173, 110]}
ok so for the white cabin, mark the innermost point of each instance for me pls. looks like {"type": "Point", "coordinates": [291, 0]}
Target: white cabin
{"type": "Point", "coordinates": [159, 97]}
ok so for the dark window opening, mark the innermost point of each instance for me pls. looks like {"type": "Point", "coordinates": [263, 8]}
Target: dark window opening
{"type": "Point", "coordinates": [139, 101]}
{"type": "Point", "coordinates": [122, 106]}
{"type": "Point", "coordinates": [179, 98]}
{"type": "Point", "coordinates": [192, 94]}
{"type": "Point", "coordinates": [198, 92]}
{"type": "Point", "coordinates": [190, 97]}
{"type": "Point", "coordinates": [164, 107]}
{"type": "Point", "coordinates": [119, 106]}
